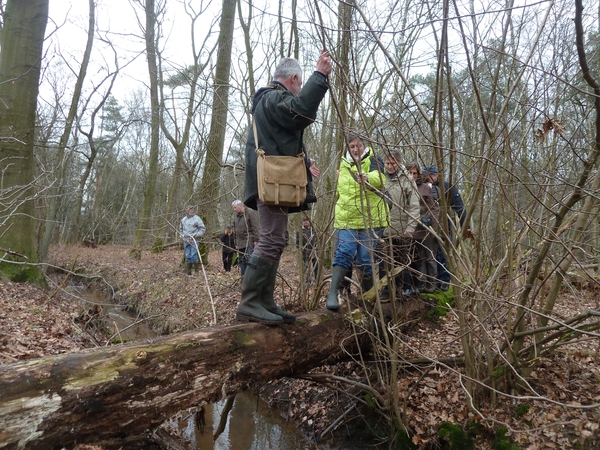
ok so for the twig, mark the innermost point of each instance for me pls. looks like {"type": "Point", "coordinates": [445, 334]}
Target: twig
{"type": "Point", "coordinates": [336, 422]}
{"type": "Point", "coordinates": [13, 253]}
{"type": "Point", "coordinates": [118, 332]}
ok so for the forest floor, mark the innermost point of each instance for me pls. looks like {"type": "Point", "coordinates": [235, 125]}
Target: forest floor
{"type": "Point", "coordinates": [556, 413]}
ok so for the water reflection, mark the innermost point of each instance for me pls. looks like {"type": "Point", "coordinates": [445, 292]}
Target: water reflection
{"type": "Point", "coordinates": [252, 425]}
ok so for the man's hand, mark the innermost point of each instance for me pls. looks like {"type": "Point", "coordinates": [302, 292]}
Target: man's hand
{"type": "Point", "coordinates": [314, 170]}
{"type": "Point", "coordinates": [324, 64]}
{"type": "Point", "coordinates": [469, 235]}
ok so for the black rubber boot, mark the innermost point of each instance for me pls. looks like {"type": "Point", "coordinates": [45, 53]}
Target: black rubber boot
{"type": "Point", "coordinates": [250, 308]}
{"type": "Point", "coordinates": [188, 268]}
{"type": "Point", "coordinates": [195, 265]}
{"type": "Point", "coordinates": [336, 280]}
{"type": "Point", "coordinates": [268, 301]}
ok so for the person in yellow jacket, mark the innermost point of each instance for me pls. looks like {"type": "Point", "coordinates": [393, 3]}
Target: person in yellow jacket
{"type": "Point", "coordinates": [360, 215]}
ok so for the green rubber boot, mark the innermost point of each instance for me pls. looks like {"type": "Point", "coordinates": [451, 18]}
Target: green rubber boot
{"type": "Point", "coordinates": [268, 301]}
{"type": "Point", "coordinates": [188, 268]}
{"type": "Point", "coordinates": [250, 308]}
{"type": "Point", "coordinates": [336, 280]}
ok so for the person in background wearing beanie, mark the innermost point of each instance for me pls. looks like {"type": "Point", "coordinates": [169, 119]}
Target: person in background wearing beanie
{"type": "Point", "coordinates": [246, 229]}
{"type": "Point", "coordinates": [228, 242]}
{"type": "Point", "coordinates": [425, 241]}
{"type": "Point", "coordinates": [191, 229]}
{"type": "Point", "coordinates": [455, 202]}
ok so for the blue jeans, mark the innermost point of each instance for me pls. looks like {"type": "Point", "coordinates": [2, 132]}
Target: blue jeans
{"type": "Point", "coordinates": [355, 245]}
{"type": "Point", "coordinates": [243, 256]}
{"type": "Point", "coordinates": [191, 255]}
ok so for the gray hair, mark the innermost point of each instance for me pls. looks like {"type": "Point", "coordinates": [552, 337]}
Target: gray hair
{"type": "Point", "coordinates": [286, 68]}
{"type": "Point", "coordinates": [236, 203]}
{"type": "Point", "coordinates": [395, 155]}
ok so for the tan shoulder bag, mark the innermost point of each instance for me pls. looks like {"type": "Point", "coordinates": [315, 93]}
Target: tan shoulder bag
{"type": "Point", "coordinates": [282, 180]}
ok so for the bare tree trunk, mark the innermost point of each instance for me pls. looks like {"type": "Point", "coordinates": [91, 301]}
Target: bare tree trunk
{"type": "Point", "coordinates": [248, 46]}
{"type": "Point", "coordinates": [20, 63]}
{"type": "Point", "coordinates": [111, 395]}
{"type": "Point", "coordinates": [180, 140]}
{"type": "Point", "coordinates": [56, 197]}
{"type": "Point", "coordinates": [211, 179]}
{"type": "Point", "coordinates": [145, 222]}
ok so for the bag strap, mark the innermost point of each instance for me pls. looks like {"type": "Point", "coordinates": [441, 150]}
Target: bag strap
{"type": "Point", "coordinates": [255, 134]}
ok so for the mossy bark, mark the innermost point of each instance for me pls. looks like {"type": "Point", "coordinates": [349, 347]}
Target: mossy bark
{"type": "Point", "coordinates": [111, 395]}
{"type": "Point", "coordinates": [20, 63]}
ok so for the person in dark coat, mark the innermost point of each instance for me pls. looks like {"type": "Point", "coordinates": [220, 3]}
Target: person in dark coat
{"type": "Point", "coordinates": [455, 202]}
{"type": "Point", "coordinates": [228, 242]}
{"type": "Point", "coordinates": [246, 229]}
{"type": "Point", "coordinates": [425, 241]}
{"type": "Point", "coordinates": [281, 112]}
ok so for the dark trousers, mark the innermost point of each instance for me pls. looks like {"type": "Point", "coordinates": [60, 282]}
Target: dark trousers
{"type": "Point", "coordinates": [273, 231]}
{"type": "Point", "coordinates": [442, 265]}
{"type": "Point", "coordinates": [243, 256]}
{"type": "Point", "coordinates": [425, 263]}
{"type": "Point", "coordinates": [311, 267]}
{"type": "Point", "coordinates": [227, 260]}
{"type": "Point", "coordinates": [400, 254]}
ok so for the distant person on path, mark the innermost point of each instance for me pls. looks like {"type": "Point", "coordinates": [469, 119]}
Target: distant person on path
{"type": "Point", "coordinates": [228, 242]}
{"type": "Point", "coordinates": [191, 229]}
{"type": "Point", "coordinates": [307, 241]}
{"type": "Point", "coordinates": [281, 112]}
{"type": "Point", "coordinates": [360, 215]}
{"type": "Point", "coordinates": [246, 229]}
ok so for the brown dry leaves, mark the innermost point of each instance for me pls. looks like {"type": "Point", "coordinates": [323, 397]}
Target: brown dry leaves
{"type": "Point", "coordinates": [32, 325]}
{"type": "Point", "coordinates": [541, 134]}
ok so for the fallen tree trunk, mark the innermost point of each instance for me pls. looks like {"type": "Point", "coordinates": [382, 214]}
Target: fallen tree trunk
{"type": "Point", "coordinates": [112, 395]}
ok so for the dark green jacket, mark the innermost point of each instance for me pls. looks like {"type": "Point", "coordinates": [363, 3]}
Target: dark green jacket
{"type": "Point", "coordinates": [280, 122]}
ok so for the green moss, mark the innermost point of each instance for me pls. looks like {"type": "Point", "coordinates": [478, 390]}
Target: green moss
{"type": "Point", "coordinates": [135, 253]}
{"type": "Point", "coordinates": [499, 372]}
{"type": "Point", "coordinates": [503, 442]}
{"type": "Point", "coordinates": [157, 246]}
{"type": "Point", "coordinates": [324, 318]}
{"type": "Point", "coordinates": [242, 338]}
{"type": "Point", "coordinates": [440, 304]}
{"type": "Point", "coordinates": [453, 437]}
{"type": "Point", "coordinates": [22, 273]}
{"type": "Point", "coordinates": [521, 410]}
{"type": "Point", "coordinates": [369, 400]}
{"type": "Point", "coordinates": [188, 345]}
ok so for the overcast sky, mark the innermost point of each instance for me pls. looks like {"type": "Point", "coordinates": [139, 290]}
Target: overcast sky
{"type": "Point", "coordinates": [116, 19]}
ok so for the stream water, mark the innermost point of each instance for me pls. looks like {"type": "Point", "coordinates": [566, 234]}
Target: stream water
{"type": "Point", "coordinates": [251, 424]}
